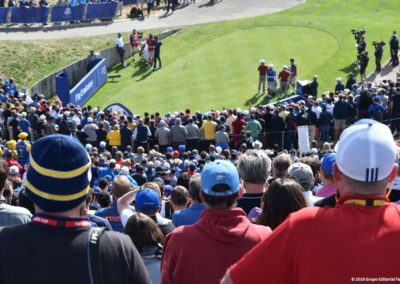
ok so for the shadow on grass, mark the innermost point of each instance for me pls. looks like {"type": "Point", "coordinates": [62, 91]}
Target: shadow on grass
{"type": "Point", "coordinates": [166, 15]}
{"type": "Point", "coordinates": [352, 68]}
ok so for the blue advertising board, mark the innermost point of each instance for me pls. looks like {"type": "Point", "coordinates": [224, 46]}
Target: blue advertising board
{"type": "Point", "coordinates": [3, 15]}
{"type": "Point", "coordinates": [66, 14]}
{"type": "Point", "coordinates": [89, 84]}
{"type": "Point", "coordinates": [27, 15]}
{"type": "Point", "coordinates": [101, 10]}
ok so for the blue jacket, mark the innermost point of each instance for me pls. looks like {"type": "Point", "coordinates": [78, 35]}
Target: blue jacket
{"type": "Point", "coordinates": [111, 215]}
{"type": "Point", "coordinates": [188, 216]}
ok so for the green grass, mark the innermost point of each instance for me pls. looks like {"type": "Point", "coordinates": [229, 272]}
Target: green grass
{"type": "Point", "coordinates": [222, 72]}
{"type": "Point", "coordinates": [221, 58]}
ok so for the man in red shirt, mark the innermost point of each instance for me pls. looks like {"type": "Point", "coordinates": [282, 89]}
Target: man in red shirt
{"type": "Point", "coordinates": [262, 70]}
{"type": "Point", "coordinates": [151, 46]}
{"type": "Point", "coordinates": [284, 79]}
{"type": "Point", "coordinates": [134, 39]}
{"type": "Point", "coordinates": [358, 240]}
{"type": "Point", "coordinates": [202, 252]}
{"type": "Point", "coordinates": [238, 125]}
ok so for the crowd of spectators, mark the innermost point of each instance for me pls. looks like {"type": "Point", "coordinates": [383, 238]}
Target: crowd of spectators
{"type": "Point", "coordinates": [236, 174]}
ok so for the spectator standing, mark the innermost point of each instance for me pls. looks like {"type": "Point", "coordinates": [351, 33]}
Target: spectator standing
{"type": "Point", "coordinates": [254, 126]}
{"type": "Point", "coordinates": [283, 197]}
{"type": "Point", "coordinates": [120, 186]}
{"type": "Point", "coordinates": [324, 123]}
{"type": "Point", "coordinates": [141, 135]}
{"type": "Point", "coordinates": [362, 181]}
{"type": "Point", "coordinates": [148, 239]}
{"type": "Point", "coordinates": [10, 215]}
{"type": "Point", "coordinates": [254, 168]}
{"type": "Point", "coordinates": [150, 5]}
{"type": "Point", "coordinates": [262, 72]}
{"type": "Point", "coordinates": [222, 230]}
{"type": "Point", "coordinates": [339, 85]}
{"type": "Point", "coordinates": [326, 175]}
{"type": "Point", "coordinates": [293, 73]}
{"type": "Point", "coordinates": [120, 49]}
{"type": "Point", "coordinates": [157, 53]}
{"type": "Point", "coordinates": [114, 137]}
{"type": "Point", "coordinates": [178, 134]}
{"type": "Point", "coordinates": [193, 135]}
{"type": "Point", "coordinates": [271, 80]}
{"type": "Point", "coordinates": [340, 115]}
{"type": "Point", "coordinates": [394, 49]}
{"type": "Point", "coordinates": [192, 214]}
{"type": "Point", "coordinates": [284, 79]}
{"type": "Point", "coordinates": [209, 126]}
{"type": "Point", "coordinates": [304, 175]}
{"type": "Point", "coordinates": [90, 129]}
{"type": "Point", "coordinates": [163, 136]}
{"type": "Point", "coordinates": [59, 228]}
{"type": "Point", "coordinates": [221, 137]}
{"type": "Point", "coordinates": [126, 136]}
{"type": "Point", "coordinates": [151, 46]}
{"type": "Point", "coordinates": [314, 86]}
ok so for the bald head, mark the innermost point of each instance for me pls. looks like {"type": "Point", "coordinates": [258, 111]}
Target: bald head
{"type": "Point", "coordinates": [120, 186]}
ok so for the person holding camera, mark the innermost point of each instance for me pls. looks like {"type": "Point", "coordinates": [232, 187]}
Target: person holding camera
{"type": "Point", "coordinates": [362, 45]}
{"type": "Point", "coordinates": [378, 55]}
{"type": "Point", "coordinates": [364, 59]}
{"type": "Point", "coordinates": [394, 49]}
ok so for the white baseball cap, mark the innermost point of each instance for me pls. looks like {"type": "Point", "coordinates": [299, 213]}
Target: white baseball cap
{"type": "Point", "coordinates": [366, 151]}
{"type": "Point", "coordinates": [14, 170]}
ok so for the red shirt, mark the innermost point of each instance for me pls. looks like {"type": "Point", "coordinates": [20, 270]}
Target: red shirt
{"type": "Point", "coordinates": [135, 40]}
{"type": "Point", "coordinates": [262, 69]}
{"type": "Point", "coordinates": [151, 44]}
{"type": "Point", "coordinates": [326, 245]}
{"type": "Point", "coordinates": [201, 253]}
{"type": "Point", "coordinates": [284, 75]}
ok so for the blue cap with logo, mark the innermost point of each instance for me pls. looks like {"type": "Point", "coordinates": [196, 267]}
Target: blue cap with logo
{"type": "Point", "coordinates": [147, 200]}
{"type": "Point", "coordinates": [220, 172]}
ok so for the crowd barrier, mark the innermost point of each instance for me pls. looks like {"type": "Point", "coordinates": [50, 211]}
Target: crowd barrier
{"type": "Point", "coordinates": [31, 15]}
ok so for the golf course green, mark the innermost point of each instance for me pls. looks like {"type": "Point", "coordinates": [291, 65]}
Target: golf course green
{"type": "Point", "coordinates": [214, 65]}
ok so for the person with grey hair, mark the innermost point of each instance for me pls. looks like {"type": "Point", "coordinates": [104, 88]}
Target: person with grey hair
{"type": "Point", "coordinates": [254, 168]}
{"type": "Point", "coordinates": [280, 165]}
{"type": "Point", "coordinates": [178, 134]}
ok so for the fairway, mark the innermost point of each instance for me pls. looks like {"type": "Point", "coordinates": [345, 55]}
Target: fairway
{"type": "Point", "coordinates": [216, 73]}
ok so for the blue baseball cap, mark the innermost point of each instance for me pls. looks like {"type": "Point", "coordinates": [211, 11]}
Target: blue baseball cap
{"type": "Point", "coordinates": [327, 163]}
{"type": "Point", "coordinates": [147, 201]}
{"type": "Point", "coordinates": [167, 190]}
{"type": "Point", "coordinates": [220, 172]}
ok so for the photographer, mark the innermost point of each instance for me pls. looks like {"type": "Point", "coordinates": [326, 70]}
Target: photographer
{"type": "Point", "coordinates": [361, 45]}
{"type": "Point", "coordinates": [364, 59]}
{"type": "Point", "coordinates": [378, 54]}
{"type": "Point", "coordinates": [394, 49]}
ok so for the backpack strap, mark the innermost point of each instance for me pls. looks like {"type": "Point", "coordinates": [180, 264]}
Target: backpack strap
{"type": "Point", "coordinates": [93, 256]}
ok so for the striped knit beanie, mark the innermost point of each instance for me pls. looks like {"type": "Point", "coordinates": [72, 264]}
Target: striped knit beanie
{"type": "Point", "coordinates": [59, 173]}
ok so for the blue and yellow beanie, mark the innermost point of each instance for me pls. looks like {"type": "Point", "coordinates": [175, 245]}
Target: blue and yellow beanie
{"type": "Point", "coordinates": [59, 173]}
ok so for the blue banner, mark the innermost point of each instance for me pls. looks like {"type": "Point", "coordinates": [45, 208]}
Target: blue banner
{"type": "Point", "coordinates": [66, 14]}
{"type": "Point", "coordinates": [126, 2]}
{"type": "Point", "coordinates": [101, 10]}
{"type": "Point", "coordinates": [119, 108]}
{"type": "Point", "coordinates": [3, 15]}
{"type": "Point", "coordinates": [25, 15]}
{"type": "Point", "coordinates": [89, 84]}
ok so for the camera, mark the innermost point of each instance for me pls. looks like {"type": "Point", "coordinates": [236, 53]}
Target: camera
{"type": "Point", "coordinates": [358, 33]}
{"type": "Point", "coordinates": [378, 43]}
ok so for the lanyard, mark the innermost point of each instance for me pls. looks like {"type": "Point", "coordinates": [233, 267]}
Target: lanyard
{"type": "Point", "coordinates": [366, 202]}
{"type": "Point", "coordinates": [77, 223]}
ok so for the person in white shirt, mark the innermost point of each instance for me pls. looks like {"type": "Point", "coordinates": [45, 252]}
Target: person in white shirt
{"type": "Point", "coordinates": [120, 48]}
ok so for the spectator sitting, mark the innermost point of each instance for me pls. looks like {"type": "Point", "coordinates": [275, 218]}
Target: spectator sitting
{"type": "Point", "coordinates": [136, 13]}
